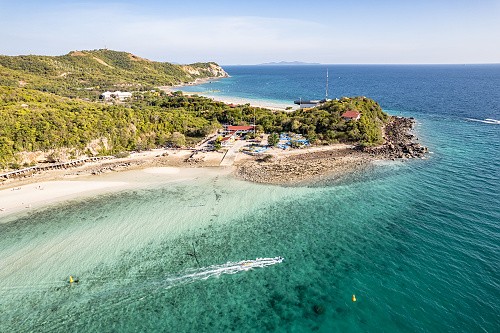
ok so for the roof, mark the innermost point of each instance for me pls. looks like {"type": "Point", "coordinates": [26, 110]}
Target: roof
{"type": "Point", "coordinates": [120, 94]}
{"type": "Point", "coordinates": [240, 128]}
{"type": "Point", "coordinates": [351, 114]}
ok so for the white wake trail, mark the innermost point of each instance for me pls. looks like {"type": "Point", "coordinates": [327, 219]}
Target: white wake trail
{"type": "Point", "coordinates": [217, 270]}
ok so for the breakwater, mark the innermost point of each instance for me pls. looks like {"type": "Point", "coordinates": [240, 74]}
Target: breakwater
{"type": "Point", "coordinates": [66, 165]}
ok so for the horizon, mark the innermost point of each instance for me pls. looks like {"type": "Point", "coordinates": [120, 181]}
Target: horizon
{"type": "Point", "coordinates": [389, 32]}
{"type": "Point", "coordinates": [279, 62]}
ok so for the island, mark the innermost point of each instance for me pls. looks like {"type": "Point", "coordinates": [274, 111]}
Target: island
{"type": "Point", "coordinates": [90, 112]}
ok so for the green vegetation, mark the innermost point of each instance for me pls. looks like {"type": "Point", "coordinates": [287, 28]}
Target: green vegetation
{"type": "Point", "coordinates": [86, 74]}
{"type": "Point", "coordinates": [40, 109]}
{"type": "Point", "coordinates": [218, 143]}
{"type": "Point", "coordinates": [34, 121]}
{"type": "Point", "coordinates": [273, 139]}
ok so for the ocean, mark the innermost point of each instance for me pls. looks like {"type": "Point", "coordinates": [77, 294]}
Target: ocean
{"type": "Point", "coordinates": [416, 241]}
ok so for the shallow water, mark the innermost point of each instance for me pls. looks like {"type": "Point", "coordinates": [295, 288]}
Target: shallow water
{"type": "Point", "coordinates": [417, 242]}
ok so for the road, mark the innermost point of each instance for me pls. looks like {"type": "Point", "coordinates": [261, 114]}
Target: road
{"type": "Point", "coordinates": [232, 153]}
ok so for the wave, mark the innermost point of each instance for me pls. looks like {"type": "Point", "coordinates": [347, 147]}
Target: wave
{"type": "Point", "coordinates": [485, 121]}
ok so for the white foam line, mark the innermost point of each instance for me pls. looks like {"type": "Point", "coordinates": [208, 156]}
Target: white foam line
{"type": "Point", "coordinates": [218, 270]}
{"type": "Point", "coordinates": [485, 121]}
{"type": "Point", "coordinates": [169, 282]}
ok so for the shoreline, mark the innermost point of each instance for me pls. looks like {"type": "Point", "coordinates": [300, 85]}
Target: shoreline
{"type": "Point", "coordinates": [46, 188]}
{"type": "Point", "coordinates": [260, 103]}
{"type": "Point", "coordinates": [293, 167]}
{"type": "Point", "coordinates": [297, 167]}
{"type": "Point", "coordinates": [52, 188]}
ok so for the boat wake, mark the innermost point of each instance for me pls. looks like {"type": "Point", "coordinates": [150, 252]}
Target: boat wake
{"type": "Point", "coordinates": [485, 121]}
{"type": "Point", "coordinates": [218, 270]}
{"type": "Point", "coordinates": [167, 282]}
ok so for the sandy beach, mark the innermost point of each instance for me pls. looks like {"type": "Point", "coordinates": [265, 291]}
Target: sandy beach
{"type": "Point", "coordinates": [55, 187]}
{"type": "Point", "coordinates": [44, 188]}
{"type": "Point", "coordinates": [271, 105]}
{"type": "Point", "coordinates": [253, 102]}
{"type": "Point", "coordinates": [36, 195]}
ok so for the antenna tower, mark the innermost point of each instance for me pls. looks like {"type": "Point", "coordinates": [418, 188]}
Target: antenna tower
{"type": "Point", "coordinates": [326, 94]}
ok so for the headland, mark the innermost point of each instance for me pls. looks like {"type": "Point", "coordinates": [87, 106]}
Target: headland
{"type": "Point", "coordinates": [85, 138]}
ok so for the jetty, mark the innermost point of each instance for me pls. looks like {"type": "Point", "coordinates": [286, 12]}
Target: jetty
{"type": "Point", "coordinates": [54, 166]}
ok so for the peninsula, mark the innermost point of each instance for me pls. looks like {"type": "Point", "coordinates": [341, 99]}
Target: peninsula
{"type": "Point", "coordinates": [53, 123]}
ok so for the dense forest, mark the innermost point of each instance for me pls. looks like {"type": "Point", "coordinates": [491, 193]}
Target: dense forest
{"type": "Point", "coordinates": [36, 121]}
{"type": "Point", "coordinates": [86, 74]}
{"type": "Point", "coordinates": [51, 103]}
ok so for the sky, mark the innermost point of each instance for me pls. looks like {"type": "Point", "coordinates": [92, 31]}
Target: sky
{"type": "Point", "coordinates": [255, 31]}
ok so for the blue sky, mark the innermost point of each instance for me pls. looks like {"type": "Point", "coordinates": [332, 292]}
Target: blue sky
{"type": "Point", "coordinates": [250, 32]}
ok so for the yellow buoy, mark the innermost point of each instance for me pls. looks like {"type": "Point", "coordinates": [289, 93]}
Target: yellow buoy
{"type": "Point", "coordinates": [71, 279]}
{"type": "Point", "coordinates": [354, 298]}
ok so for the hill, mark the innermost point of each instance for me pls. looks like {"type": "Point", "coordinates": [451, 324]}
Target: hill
{"type": "Point", "coordinates": [88, 73]}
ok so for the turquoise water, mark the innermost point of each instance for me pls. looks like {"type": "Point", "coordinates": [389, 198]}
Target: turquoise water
{"type": "Point", "coordinates": [417, 242]}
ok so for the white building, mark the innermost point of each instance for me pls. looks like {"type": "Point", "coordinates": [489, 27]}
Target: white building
{"type": "Point", "coordinates": [121, 95]}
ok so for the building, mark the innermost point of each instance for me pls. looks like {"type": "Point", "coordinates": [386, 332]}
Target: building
{"type": "Point", "coordinates": [227, 141]}
{"type": "Point", "coordinates": [231, 129]}
{"type": "Point", "coordinates": [121, 95]}
{"type": "Point", "coordinates": [232, 133]}
{"type": "Point", "coordinates": [351, 115]}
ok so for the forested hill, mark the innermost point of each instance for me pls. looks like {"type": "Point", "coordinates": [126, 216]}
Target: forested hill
{"type": "Point", "coordinates": [88, 73]}
{"type": "Point", "coordinates": [33, 121]}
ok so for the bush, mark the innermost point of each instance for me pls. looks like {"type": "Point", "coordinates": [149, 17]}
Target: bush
{"type": "Point", "coordinates": [122, 154]}
{"type": "Point", "coordinates": [273, 139]}
{"type": "Point", "coordinates": [176, 140]}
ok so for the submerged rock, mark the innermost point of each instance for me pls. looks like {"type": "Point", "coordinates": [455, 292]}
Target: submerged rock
{"type": "Point", "coordinates": [318, 309]}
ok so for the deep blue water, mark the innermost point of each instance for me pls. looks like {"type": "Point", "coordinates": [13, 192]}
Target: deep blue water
{"type": "Point", "coordinates": [417, 241]}
{"type": "Point", "coordinates": [451, 90]}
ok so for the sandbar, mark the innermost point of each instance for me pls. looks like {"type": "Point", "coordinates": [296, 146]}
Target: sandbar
{"type": "Point", "coordinates": [32, 196]}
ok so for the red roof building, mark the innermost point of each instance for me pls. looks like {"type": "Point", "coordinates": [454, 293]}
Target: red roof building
{"type": "Point", "coordinates": [351, 115]}
{"type": "Point", "coordinates": [231, 128]}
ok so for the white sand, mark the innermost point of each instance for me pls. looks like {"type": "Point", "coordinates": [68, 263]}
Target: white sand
{"type": "Point", "coordinates": [253, 102]}
{"type": "Point", "coordinates": [163, 170]}
{"type": "Point", "coordinates": [234, 100]}
{"type": "Point", "coordinates": [36, 195]}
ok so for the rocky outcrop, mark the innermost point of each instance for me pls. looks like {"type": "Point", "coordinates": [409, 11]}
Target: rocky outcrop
{"type": "Point", "coordinates": [302, 168]}
{"type": "Point", "coordinates": [204, 70]}
{"type": "Point", "coordinates": [334, 163]}
{"type": "Point", "coordinates": [399, 142]}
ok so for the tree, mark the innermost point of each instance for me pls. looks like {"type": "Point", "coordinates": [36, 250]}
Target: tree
{"type": "Point", "coordinates": [273, 139]}
{"type": "Point", "coordinates": [177, 140]}
{"type": "Point", "coordinates": [217, 143]}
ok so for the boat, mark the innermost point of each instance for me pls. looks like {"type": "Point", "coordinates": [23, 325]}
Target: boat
{"type": "Point", "coordinates": [309, 103]}
{"type": "Point", "coordinates": [260, 262]}
{"type": "Point", "coordinates": [486, 121]}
